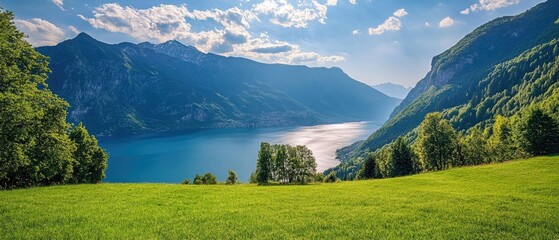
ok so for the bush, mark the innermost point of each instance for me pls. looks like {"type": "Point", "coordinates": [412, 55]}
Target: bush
{"type": "Point", "coordinates": [186, 181]}
{"type": "Point", "coordinates": [231, 178]}
{"type": "Point", "coordinates": [331, 177]}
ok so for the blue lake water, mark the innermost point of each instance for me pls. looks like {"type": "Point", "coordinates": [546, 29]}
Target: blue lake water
{"type": "Point", "coordinates": [171, 159]}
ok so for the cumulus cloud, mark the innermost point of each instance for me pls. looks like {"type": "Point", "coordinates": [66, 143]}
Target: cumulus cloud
{"type": "Point", "coordinates": [400, 13]}
{"type": "Point", "coordinates": [353, 2]}
{"type": "Point", "coordinates": [59, 4]}
{"type": "Point", "coordinates": [40, 32]}
{"type": "Point", "coordinates": [73, 30]}
{"type": "Point", "coordinates": [490, 5]}
{"type": "Point", "coordinates": [391, 24]}
{"type": "Point", "coordinates": [355, 32]}
{"type": "Point", "coordinates": [465, 11]}
{"type": "Point", "coordinates": [446, 22]}
{"type": "Point", "coordinates": [283, 13]}
{"type": "Point", "coordinates": [229, 37]}
{"type": "Point", "coordinates": [427, 24]}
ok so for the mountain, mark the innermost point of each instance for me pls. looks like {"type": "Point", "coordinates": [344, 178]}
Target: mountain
{"type": "Point", "coordinates": [123, 89]}
{"type": "Point", "coordinates": [393, 90]}
{"type": "Point", "coordinates": [499, 68]}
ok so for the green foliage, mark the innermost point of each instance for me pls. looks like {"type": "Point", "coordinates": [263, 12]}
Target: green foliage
{"type": "Point", "coordinates": [206, 179]}
{"type": "Point", "coordinates": [231, 177]}
{"type": "Point", "coordinates": [402, 158]}
{"type": "Point", "coordinates": [368, 168]}
{"type": "Point", "coordinates": [512, 200]}
{"type": "Point", "coordinates": [331, 178]}
{"type": "Point", "coordinates": [285, 164]}
{"type": "Point", "coordinates": [91, 160]}
{"type": "Point", "coordinates": [474, 147]}
{"type": "Point", "coordinates": [538, 132]}
{"type": "Point", "coordinates": [436, 142]}
{"type": "Point", "coordinates": [492, 71]}
{"type": "Point", "coordinates": [186, 181]}
{"type": "Point", "coordinates": [501, 143]}
{"type": "Point", "coordinates": [253, 178]}
{"type": "Point", "coordinates": [264, 163]}
{"type": "Point", "coordinates": [36, 149]}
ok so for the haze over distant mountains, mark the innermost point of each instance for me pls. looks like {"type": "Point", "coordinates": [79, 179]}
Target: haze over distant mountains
{"type": "Point", "coordinates": [122, 89]}
{"type": "Point", "coordinates": [392, 89]}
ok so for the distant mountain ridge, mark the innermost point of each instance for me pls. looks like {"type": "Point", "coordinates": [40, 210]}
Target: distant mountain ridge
{"type": "Point", "coordinates": [501, 67]}
{"type": "Point", "coordinates": [125, 89]}
{"type": "Point", "coordinates": [392, 89]}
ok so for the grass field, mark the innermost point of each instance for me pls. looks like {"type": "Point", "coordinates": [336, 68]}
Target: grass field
{"type": "Point", "coordinates": [517, 199]}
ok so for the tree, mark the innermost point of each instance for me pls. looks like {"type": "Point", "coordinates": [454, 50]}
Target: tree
{"type": "Point", "coordinates": [91, 160]}
{"type": "Point", "coordinates": [198, 180]}
{"type": "Point", "coordinates": [231, 178]}
{"type": "Point", "coordinates": [436, 142]}
{"type": "Point", "coordinates": [209, 178]}
{"type": "Point", "coordinates": [402, 158]}
{"type": "Point", "coordinates": [263, 164]}
{"type": "Point", "coordinates": [280, 164]}
{"type": "Point", "coordinates": [35, 148]}
{"type": "Point", "coordinates": [367, 170]}
{"type": "Point", "coordinates": [331, 177]}
{"type": "Point", "coordinates": [501, 144]}
{"type": "Point", "coordinates": [253, 178]}
{"type": "Point", "coordinates": [539, 132]}
{"type": "Point", "coordinates": [186, 181]}
{"type": "Point", "coordinates": [474, 147]}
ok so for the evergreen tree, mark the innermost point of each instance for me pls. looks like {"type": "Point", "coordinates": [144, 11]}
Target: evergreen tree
{"type": "Point", "coordinates": [367, 170]}
{"type": "Point", "coordinates": [91, 160]}
{"type": "Point", "coordinates": [539, 132]}
{"type": "Point", "coordinates": [331, 177]}
{"type": "Point", "coordinates": [436, 142]}
{"type": "Point", "coordinates": [231, 178]}
{"type": "Point", "coordinates": [263, 164]}
{"type": "Point", "coordinates": [401, 158]}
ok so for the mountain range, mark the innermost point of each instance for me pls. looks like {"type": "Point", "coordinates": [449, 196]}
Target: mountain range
{"type": "Point", "coordinates": [126, 89]}
{"type": "Point", "coordinates": [500, 68]}
{"type": "Point", "coordinates": [393, 90]}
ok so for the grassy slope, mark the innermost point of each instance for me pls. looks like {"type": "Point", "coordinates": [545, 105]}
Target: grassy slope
{"type": "Point", "coordinates": [513, 199]}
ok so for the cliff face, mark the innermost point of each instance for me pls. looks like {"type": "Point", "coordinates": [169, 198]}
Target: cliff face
{"type": "Point", "coordinates": [127, 89]}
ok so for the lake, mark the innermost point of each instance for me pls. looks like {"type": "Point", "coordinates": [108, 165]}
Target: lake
{"type": "Point", "coordinates": [170, 159]}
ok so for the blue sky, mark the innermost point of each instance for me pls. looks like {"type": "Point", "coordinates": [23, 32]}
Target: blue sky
{"type": "Point", "coordinates": [373, 41]}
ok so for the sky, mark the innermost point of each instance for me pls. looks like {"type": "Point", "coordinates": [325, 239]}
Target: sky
{"type": "Point", "coordinates": [373, 41]}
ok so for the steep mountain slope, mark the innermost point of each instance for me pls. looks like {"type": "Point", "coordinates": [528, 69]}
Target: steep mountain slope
{"type": "Point", "coordinates": [499, 68]}
{"type": "Point", "coordinates": [133, 89]}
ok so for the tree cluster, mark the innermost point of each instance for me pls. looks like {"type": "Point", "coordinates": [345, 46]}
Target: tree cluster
{"type": "Point", "coordinates": [38, 147]}
{"type": "Point", "coordinates": [284, 164]}
{"type": "Point", "coordinates": [438, 146]}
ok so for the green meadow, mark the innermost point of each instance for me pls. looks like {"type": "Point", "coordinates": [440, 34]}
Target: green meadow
{"type": "Point", "coordinates": [516, 199]}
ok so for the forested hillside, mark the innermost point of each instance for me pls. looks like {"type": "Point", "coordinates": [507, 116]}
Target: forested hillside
{"type": "Point", "coordinates": [130, 88]}
{"type": "Point", "coordinates": [499, 69]}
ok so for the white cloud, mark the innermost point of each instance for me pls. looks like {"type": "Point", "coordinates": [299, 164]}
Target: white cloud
{"type": "Point", "coordinates": [229, 37]}
{"type": "Point", "coordinates": [427, 24]}
{"type": "Point", "coordinates": [40, 32]}
{"type": "Point", "coordinates": [490, 5]}
{"type": "Point", "coordinates": [59, 4]}
{"type": "Point", "coordinates": [446, 22]}
{"type": "Point", "coordinates": [391, 24]}
{"type": "Point", "coordinates": [353, 2]}
{"type": "Point", "coordinates": [283, 13]}
{"type": "Point", "coordinates": [465, 11]}
{"type": "Point", "coordinates": [74, 30]}
{"type": "Point", "coordinates": [331, 2]}
{"type": "Point", "coordinates": [400, 13]}
{"type": "Point", "coordinates": [355, 32]}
